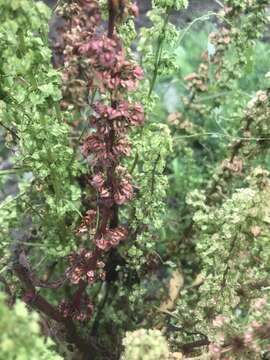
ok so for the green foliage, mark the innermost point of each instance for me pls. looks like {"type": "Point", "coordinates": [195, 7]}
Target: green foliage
{"type": "Point", "coordinates": [174, 4]}
{"type": "Point", "coordinates": [233, 247]}
{"type": "Point", "coordinates": [152, 146]}
{"type": "Point", "coordinates": [220, 236]}
{"type": "Point", "coordinates": [198, 168]}
{"type": "Point", "coordinates": [145, 345]}
{"type": "Point", "coordinates": [44, 160]}
{"type": "Point", "coordinates": [20, 335]}
{"type": "Point", "coordinates": [156, 45]}
{"type": "Point", "coordinates": [208, 117]}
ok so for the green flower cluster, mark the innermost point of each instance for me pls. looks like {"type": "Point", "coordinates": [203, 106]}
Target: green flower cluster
{"type": "Point", "coordinates": [43, 162]}
{"type": "Point", "coordinates": [145, 345]}
{"type": "Point", "coordinates": [20, 335]}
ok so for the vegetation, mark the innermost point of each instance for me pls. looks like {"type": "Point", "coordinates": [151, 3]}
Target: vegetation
{"type": "Point", "coordinates": [134, 186]}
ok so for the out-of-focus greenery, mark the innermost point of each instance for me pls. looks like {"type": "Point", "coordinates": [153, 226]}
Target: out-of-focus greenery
{"type": "Point", "coordinates": [20, 335]}
{"type": "Point", "coordinates": [217, 107]}
{"type": "Point", "coordinates": [201, 140]}
{"type": "Point", "coordinates": [145, 345]}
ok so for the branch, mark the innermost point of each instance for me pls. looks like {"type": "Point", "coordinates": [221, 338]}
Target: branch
{"type": "Point", "coordinates": [13, 133]}
{"type": "Point", "coordinates": [23, 272]}
{"type": "Point", "coordinates": [112, 17]}
{"type": "Point", "coordinates": [158, 55]}
{"type": "Point", "coordinates": [189, 347]}
{"type": "Point", "coordinates": [31, 296]}
{"type": "Point", "coordinates": [224, 277]}
{"type": "Point", "coordinates": [208, 356]}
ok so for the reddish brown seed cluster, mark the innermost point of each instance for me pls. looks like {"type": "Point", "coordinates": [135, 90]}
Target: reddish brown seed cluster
{"type": "Point", "coordinates": [81, 311]}
{"type": "Point", "coordinates": [248, 342]}
{"type": "Point", "coordinates": [110, 76]}
{"type": "Point", "coordinates": [81, 18]}
{"type": "Point", "coordinates": [81, 267]}
{"type": "Point", "coordinates": [111, 238]}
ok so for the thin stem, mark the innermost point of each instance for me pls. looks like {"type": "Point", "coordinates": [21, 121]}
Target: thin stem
{"type": "Point", "coordinates": [158, 56]}
{"type": "Point", "coordinates": [135, 162]}
{"type": "Point", "coordinates": [224, 277]}
{"type": "Point", "coordinates": [112, 18]}
{"type": "Point", "coordinates": [190, 347]}
{"type": "Point", "coordinates": [13, 133]}
{"type": "Point", "coordinates": [99, 311]}
{"type": "Point", "coordinates": [13, 171]}
{"type": "Point", "coordinates": [201, 18]}
{"type": "Point", "coordinates": [154, 173]}
{"type": "Point", "coordinates": [219, 3]}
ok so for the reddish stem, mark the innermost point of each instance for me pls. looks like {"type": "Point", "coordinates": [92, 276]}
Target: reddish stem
{"type": "Point", "coordinates": [35, 300]}
{"type": "Point", "coordinates": [112, 17]}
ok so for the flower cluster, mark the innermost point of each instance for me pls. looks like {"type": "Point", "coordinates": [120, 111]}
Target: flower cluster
{"type": "Point", "coordinates": [250, 340]}
{"type": "Point", "coordinates": [198, 81]}
{"type": "Point", "coordinates": [257, 114]}
{"type": "Point", "coordinates": [228, 36]}
{"type": "Point", "coordinates": [220, 40]}
{"type": "Point", "coordinates": [106, 119]}
{"type": "Point", "coordinates": [91, 59]}
{"type": "Point", "coordinates": [82, 311]}
{"type": "Point", "coordinates": [110, 76]}
{"type": "Point", "coordinates": [112, 71]}
{"type": "Point", "coordinates": [81, 20]}
{"type": "Point", "coordinates": [81, 267]}
{"type": "Point", "coordinates": [111, 238]}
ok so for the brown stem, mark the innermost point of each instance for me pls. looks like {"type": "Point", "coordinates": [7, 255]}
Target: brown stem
{"type": "Point", "coordinates": [189, 347]}
{"type": "Point", "coordinates": [78, 294]}
{"type": "Point", "coordinates": [113, 218]}
{"type": "Point", "coordinates": [112, 17]}
{"type": "Point", "coordinates": [35, 300]}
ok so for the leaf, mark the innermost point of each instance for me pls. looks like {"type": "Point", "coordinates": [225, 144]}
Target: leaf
{"type": "Point", "coordinates": [175, 284]}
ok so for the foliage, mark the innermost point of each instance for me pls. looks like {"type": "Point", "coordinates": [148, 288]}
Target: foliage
{"type": "Point", "coordinates": [213, 305]}
{"type": "Point", "coordinates": [139, 226]}
{"type": "Point", "coordinates": [234, 253]}
{"type": "Point", "coordinates": [20, 337]}
{"type": "Point", "coordinates": [42, 159]}
{"type": "Point", "coordinates": [49, 202]}
{"type": "Point", "coordinates": [145, 345]}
